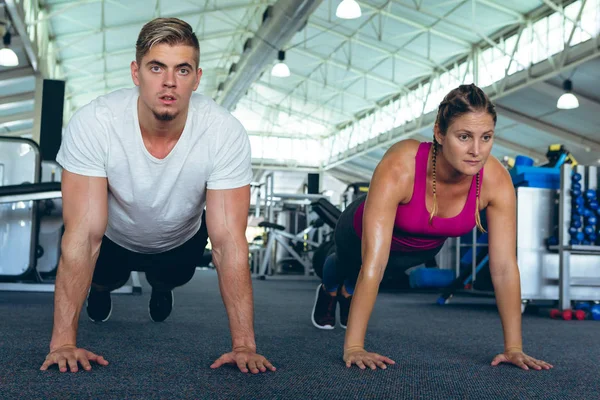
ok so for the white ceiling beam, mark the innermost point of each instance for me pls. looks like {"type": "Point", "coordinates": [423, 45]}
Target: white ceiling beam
{"type": "Point", "coordinates": [420, 27]}
{"type": "Point", "coordinates": [517, 148]}
{"type": "Point", "coordinates": [19, 133]}
{"type": "Point", "coordinates": [140, 23]}
{"type": "Point", "coordinates": [15, 75]}
{"type": "Point", "coordinates": [359, 71]}
{"type": "Point", "coordinates": [378, 46]}
{"type": "Point", "coordinates": [279, 108]}
{"type": "Point", "coordinates": [308, 100]}
{"type": "Point", "coordinates": [271, 165]}
{"type": "Point", "coordinates": [349, 175]}
{"type": "Point", "coordinates": [502, 8]}
{"type": "Point", "coordinates": [587, 144]}
{"type": "Point", "coordinates": [9, 119]}
{"type": "Point", "coordinates": [15, 99]}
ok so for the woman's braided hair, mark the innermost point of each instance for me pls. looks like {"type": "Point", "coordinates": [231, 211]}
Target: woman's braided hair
{"type": "Point", "coordinates": [462, 100]}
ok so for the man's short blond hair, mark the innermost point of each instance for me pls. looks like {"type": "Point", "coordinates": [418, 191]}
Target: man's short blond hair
{"type": "Point", "coordinates": [171, 31]}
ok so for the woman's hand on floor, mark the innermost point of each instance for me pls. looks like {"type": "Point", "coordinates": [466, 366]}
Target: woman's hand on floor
{"type": "Point", "coordinates": [521, 360]}
{"type": "Point", "coordinates": [364, 359]}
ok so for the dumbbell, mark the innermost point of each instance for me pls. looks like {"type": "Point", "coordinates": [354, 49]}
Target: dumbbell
{"type": "Point", "coordinates": [579, 236]}
{"type": "Point", "coordinates": [567, 315]}
{"type": "Point", "coordinates": [593, 205]}
{"type": "Point", "coordinates": [590, 194]}
{"type": "Point", "coordinates": [591, 220]}
{"type": "Point", "coordinates": [575, 193]}
{"type": "Point", "coordinates": [595, 312]}
{"type": "Point", "coordinates": [552, 241]}
{"type": "Point", "coordinates": [576, 186]}
{"type": "Point", "coordinates": [576, 177]}
{"type": "Point", "coordinates": [576, 223]}
{"type": "Point", "coordinates": [591, 311]}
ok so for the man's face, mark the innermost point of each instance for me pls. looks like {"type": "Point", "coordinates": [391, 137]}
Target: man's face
{"type": "Point", "coordinates": [166, 77]}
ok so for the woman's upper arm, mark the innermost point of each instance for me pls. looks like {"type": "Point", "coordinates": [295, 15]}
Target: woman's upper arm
{"type": "Point", "coordinates": [391, 185]}
{"type": "Point", "coordinates": [501, 217]}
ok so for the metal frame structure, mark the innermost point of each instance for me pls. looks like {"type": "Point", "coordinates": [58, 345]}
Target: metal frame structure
{"type": "Point", "coordinates": [324, 105]}
{"type": "Point", "coordinates": [565, 250]}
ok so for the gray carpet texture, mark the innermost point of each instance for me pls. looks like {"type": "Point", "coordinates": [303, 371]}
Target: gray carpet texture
{"type": "Point", "coordinates": [441, 352]}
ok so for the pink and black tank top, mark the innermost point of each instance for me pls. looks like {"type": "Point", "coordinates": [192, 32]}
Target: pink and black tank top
{"type": "Point", "coordinates": [412, 230]}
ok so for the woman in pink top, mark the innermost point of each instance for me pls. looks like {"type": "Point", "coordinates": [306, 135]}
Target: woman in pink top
{"type": "Point", "coordinates": [421, 194]}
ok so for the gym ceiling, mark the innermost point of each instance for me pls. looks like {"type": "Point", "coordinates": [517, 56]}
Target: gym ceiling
{"type": "Point", "coordinates": [355, 85]}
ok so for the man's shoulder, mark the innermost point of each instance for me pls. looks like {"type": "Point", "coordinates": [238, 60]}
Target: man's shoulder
{"type": "Point", "coordinates": [109, 105]}
{"type": "Point", "coordinates": [208, 111]}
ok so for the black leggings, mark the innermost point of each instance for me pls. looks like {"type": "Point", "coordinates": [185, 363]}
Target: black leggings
{"type": "Point", "coordinates": [347, 260]}
{"type": "Point", "coordinates": [164, 271]}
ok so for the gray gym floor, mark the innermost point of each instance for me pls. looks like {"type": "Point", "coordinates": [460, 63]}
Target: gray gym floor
{"type": "Point", "coordinates": [441, 352]}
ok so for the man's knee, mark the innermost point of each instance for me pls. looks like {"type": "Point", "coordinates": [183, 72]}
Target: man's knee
{"type": "Point", "coordinates": [106, 279]}
{"type": "Point", "coordinates": [168, 279]}
{"type": "Point", "coordinates": [109, 286]}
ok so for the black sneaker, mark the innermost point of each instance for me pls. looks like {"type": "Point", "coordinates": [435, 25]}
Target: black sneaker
{"type": "Point", "coordinates": [344, 308]}
{"type": "Point", "coordinates": [323, 313]}
{"type": "Point", "coordinates": [99, 305]}
{"type": "Point", "coordinates": [161, 305]}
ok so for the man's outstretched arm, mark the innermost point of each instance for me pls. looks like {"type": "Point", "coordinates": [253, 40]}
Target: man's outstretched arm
{"type": "Point", "coordinates": [85, 215]}
{"type": "Point", "coordinates": [226, 219]}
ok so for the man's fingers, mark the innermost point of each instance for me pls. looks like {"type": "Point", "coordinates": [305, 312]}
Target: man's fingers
{"type": "Point", "coordinates": [499, 359]}
{"type": "Point", "coordinates": [73, 364]}
{"type": "Point", "coordinates": [46, 364]}
{"type": "Point", "coordinates": [261, 366]}
{"type": "Point", "coordinates": [522, 365]}
{"type": "Point", "coordinates": [543, 364]}
{"type": "Point", "coordinates": [369, 363]}
{"type": "Point", "coordinates": [96, 358]}
{"type": "Point", "coordinates": [381, 365]}
{"type": "Point", "coordinates": [62, 365]}
{"type": "Point", "coordinates": [85, 363]}
{"type": "Point", "coordinates": [385, 359]}
{"type": "Point", "coordinates": [242, 365]}
{"type": "Point", "coordinates": [253, 367]}
{"type": "Point", "coordinates": [533, 363]}
{"type": "Point", "coordinates": [269, 365]}
{"type": "Point", "coordinates": [219, 362]}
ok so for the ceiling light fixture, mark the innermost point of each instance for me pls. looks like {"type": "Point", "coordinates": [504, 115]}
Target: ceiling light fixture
{"type": "Point", "coordinates": [280, 70]}
{"type": "Point", "coordinates": [568, 100]}
{"type": "Point", "coordinates": [348, 9]}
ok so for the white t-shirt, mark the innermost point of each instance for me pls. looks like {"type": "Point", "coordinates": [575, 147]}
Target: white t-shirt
{"type": "Point", "coordinates": [155, 205]}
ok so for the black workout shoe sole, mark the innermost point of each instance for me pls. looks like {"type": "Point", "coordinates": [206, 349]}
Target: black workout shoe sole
{"type": "Point", "coordinates": [99, 320]}
{"type": "Point", "coordinates": [172, 304]}
{"type": "Point", "coordinates": [312, 315]}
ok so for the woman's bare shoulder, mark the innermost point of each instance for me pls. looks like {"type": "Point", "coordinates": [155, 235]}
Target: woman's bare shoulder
{"type": "Point", "coordinates": [397, 169]}
{"type": "Point", "coordinates": [403, 151]}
